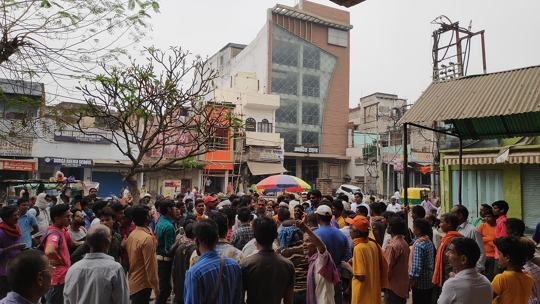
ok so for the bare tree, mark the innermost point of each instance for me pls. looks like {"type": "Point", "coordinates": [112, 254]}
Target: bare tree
{"type": "Point", "coordinates": [58, 41]}
{"type": "Point", "coordinates": [155, 112]}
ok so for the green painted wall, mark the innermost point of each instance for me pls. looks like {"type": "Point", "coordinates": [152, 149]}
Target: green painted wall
{"type": "Point", "coordinates": [511, 185]}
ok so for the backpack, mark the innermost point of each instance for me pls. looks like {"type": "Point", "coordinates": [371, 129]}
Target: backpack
{"type": "Point", "coordinates": [37, 210]}
{"type": "Point", "coordinates": [41, 246]}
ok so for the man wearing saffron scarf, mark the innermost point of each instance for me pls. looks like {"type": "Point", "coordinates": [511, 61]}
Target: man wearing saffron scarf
{"type": "Point", "coordinates": [443, 268]}
{"type": "Point", "coordinates": [369, 266]}
{"type": "Point", "coordinates": [10, 244]}
{"type": "Point", "coordinates": [322, 273]}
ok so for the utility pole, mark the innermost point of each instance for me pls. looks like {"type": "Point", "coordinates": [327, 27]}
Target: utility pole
{"type": "Point", "coordinates": [443, 54]}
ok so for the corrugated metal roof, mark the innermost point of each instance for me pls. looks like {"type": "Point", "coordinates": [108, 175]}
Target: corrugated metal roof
{"type": "Point", "coordinates": [496, 94]}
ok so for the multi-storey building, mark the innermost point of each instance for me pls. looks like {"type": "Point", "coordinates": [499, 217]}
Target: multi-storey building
{"type": "Point", "coordinates": [302, 54]}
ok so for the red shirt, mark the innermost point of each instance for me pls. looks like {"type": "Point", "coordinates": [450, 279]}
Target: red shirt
{"type": "Point", "coordinates": [63, 251]}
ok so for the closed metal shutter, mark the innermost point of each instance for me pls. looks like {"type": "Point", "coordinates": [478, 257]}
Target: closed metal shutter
{"type": "Point", "coordinates": [530, 190]}
{"type": "Point", "coordinates": [479, 187]}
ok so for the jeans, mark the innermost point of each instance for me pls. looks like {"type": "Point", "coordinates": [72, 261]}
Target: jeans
{"type": "Point", "coordinates": [422, 296]}
{"type": "Point", "coordinates": [141, 296]}
{"type": "Point", "coordinates": [164, 276]}
{"type": "Point", "coordinates": [55, 295]}
{"type": "Point", "coordinates": [391, 298]}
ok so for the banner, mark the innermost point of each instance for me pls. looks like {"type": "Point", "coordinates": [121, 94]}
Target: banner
{"type": "Point", "coordinates": [94, 137]}
{"type": "Point", "coordinates": [16, 147]}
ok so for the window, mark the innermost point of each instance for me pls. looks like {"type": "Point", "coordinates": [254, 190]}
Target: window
{"type": "Point", "coordinates": [310, 85]}
{"type": "Point", "coordinates": [220, 140]}
{"type": "Point", "coordinates": [284, 52]}
{"type": "Point", "coordinates": [310, 138]}
{"type": "Point", "coordinates": [337, 37]}
{"type": "Point", "coordinates": [287, 112]}
{"type": "Point", "coordinates": [284, 83]}
{"type": "Point", "coordinates": [312, 58]}
{"type": "Point", "coordinates": [251, 125]}
{"type": "Point", "coordinates": [264, 126]}
{"type": "Point", "coordinates": [370, 113]}
{"type": "Point", "coordinates": [310, 113]}
{"type": "Point", "coordinates": [289, 138]}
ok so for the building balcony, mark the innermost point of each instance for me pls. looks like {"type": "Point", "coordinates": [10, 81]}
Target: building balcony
{"type": "Point", "coordinates": [263, 139]}
{"type": "Point", "coordinates": [255, 100]}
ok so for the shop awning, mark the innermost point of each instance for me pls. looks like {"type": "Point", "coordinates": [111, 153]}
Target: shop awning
{"type": "Point", "coordinates": [258, 168]}
{"type": "Point", "coordinates": [491, 158]}
{"type": "Point", "coordinates": [497, 105]}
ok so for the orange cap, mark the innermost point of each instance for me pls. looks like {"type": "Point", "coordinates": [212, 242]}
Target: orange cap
{"type": "Point", "coordinates": [360, 222]}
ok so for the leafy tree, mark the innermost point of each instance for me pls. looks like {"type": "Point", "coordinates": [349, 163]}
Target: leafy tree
{"type": "Point", "coordinates": [155, 112]}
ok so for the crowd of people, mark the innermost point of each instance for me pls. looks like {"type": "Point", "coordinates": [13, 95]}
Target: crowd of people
{"type": "Point", "coordinates": [247, 249]}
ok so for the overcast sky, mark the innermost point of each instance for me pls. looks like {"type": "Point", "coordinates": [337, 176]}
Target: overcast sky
{"type": "Point", "coordinates": [390, 42]}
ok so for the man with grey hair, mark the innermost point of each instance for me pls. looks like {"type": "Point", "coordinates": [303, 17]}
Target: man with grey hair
{"type": "Point", "coordinates": [97, 278]}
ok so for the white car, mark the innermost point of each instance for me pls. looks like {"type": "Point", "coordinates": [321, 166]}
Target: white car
{"type": "Point", "coordinates": [348, 190]}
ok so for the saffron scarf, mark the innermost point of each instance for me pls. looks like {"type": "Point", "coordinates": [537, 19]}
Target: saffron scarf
{"type": "Point", "coordinates": [423, 238]}
{"type": "Point", "coordinates": [438, 271]}
{"type": "Point", "coordinates": [383, 264]}
{"type": "Point", "coordinates": [328, 271]}
{"type": "Point", "coordinates": [13, 232]}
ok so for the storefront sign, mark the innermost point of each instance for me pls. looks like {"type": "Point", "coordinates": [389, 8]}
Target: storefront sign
{"type": "Point", "coordinates": [392, 157]}
{"type": "Point", "coordinates": [421, 157]}
{"type": "Point", "coordinates": [14, 165]}
{"type": "Point", "coordinates": [265, 155]}
{"type": "Point", "coordinates": [94, 137]}
{"type": "Point", "coordinates": [16, 147]}
{"type": "Point", "coordinates": [69, 162]}
{"type": "Point", "coordinates": [171, 188]}
{"type": "Point", "coordinates": [303, 149]}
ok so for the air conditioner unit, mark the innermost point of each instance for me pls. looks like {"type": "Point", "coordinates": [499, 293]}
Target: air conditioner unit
{"type": "Point", "coordinates": [359, 161]}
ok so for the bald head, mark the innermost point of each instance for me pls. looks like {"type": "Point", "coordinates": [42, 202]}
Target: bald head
{"type": "Point", "coordinates": [99, 238]}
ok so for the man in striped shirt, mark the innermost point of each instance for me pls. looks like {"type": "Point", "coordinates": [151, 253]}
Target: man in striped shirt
{"type": "Point", "coordinates": [213, 279]}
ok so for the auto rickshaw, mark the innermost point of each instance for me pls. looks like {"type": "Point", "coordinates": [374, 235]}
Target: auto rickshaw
{"type": "Point", "coordinates": [414, 195]}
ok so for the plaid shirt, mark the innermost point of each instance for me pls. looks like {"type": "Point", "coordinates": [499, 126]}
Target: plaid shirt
{"type": "Point", "coordinates": [423, 262]}
{"type": "Point", "coordinates": [242, 236]}
{"type": "Point", "coordinates": [224, 249]}
{"type": "Point", "coordinates": [534, 270]}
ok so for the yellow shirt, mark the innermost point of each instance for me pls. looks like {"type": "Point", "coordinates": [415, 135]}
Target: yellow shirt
{"type": "Point", "coordinates": [512, 287]}
{"type": "Point", "coordinates": [366, 262]}
{"type": "Point", "coordinates": [141, 251]}
{"type": "Point", "coordinates": [341, 222]}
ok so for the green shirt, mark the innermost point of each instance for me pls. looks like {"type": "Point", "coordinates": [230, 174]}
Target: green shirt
{"type": "Point", "coordinates": [165, 235]}
{"type": "Point", "coordinates": [477, 221]}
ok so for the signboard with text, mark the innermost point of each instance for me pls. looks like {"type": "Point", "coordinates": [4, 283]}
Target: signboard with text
{"type": "Point", "coordinates": [16, 147]}
{"type": "Point", "coordinates": [68, 162]}
{"type": "Point", "coordinates": [14, 165]}
{"type": "Point", "coordinates": [266, 155]}
{"type": "Point", "coordinates": [95, 137]}
{"type": "Point", "coordinates": [306, 149]}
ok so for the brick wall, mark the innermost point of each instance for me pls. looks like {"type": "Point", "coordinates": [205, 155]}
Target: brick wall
{"type": "Point", "coordinates": [325, 185]}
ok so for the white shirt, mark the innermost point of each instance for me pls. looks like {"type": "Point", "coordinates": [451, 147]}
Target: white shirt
{"type": "Point", "coordinates": [251, 248]}
{"type": "Point", "coordinates": [393, 208]}
{"type": "Point", "coordinates": [468, 286]}
{"type": "Point", "coordinates": [77, 235]}
{"type": "Point", "coordinates": [293, 203]}
{"type": "Point", "coordinates": [468, 230]}
{"type": "Point", "coordinates": [355, 205]}
{"type": "Point", "coordinates": [347, 231]}
{"type": "Point", "coordinates": [397, 195]}
{"type": "Point", "coordinates": [97, 278]}
{"type": "Point", "coordinates": [43, 220]}
{"type": "Point", "coordinates": [94, 222]}
{"type": "Point", "coordinates": [386, 240]}
{"type": "Point", "coordinates": [324, 291]}
{"type": "Point", "coordinates": [126, 191]}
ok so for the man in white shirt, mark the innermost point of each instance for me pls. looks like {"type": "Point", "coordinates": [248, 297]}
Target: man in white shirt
{"type": "Point", "coordinates": [359, 201]}
{"type": "Point", "coordinates": [468, 230]}
{"type": "Point", "coordinates": [97, 278]}
{"type": "Point", "coordinates": [292, 200]}
{"type": "Point", "coordinates": [393, 205]}
{"type": "Point", "coordinates": [467, 285]}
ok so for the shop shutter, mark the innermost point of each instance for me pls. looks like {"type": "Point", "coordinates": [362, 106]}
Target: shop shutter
{"type": "Point", "coordinates": [530, 188]}
{"type": "Point", "coordinates": [479, 187]}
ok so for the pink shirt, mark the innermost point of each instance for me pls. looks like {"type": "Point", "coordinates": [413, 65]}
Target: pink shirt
{"type": "Point", "coordinates": [500, 231]}
{"type": "Point", "coordinates": [53, 238]}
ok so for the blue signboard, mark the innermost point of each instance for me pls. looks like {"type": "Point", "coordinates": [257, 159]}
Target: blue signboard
{"type": "Point", "coordinates": [69, 162]}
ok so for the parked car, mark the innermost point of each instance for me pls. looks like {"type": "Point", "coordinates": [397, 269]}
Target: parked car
{"type": "Point", "coordinates": [348, 190]}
